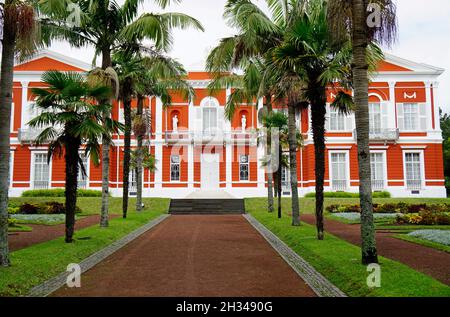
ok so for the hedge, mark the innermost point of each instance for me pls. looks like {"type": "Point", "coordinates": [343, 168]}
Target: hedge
{"type": "Point", "coordinates": [59, 192]}
{"type": "Point", "coordinates": [349, 195]}
{"type": "Point", "coordinates": [401, 208]}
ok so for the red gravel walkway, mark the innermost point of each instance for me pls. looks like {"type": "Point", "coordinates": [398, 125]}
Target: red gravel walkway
{"type": "Point", "coordinates": [42, 233]}
{"type": "Point", "coordinates": [423, 259]}
{"type": "Point", "coordinates": [194, 256]}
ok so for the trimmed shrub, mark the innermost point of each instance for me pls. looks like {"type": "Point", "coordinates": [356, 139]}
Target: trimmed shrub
{"type": "Point", "coordinates": [12, 222]}
{"type": "Point", "coordinates": [349, 195]}
{"type": "Point", "coordinates": [29, 209]}
{"type": "Point", "coordinates": [47, 208]}
{"type": "Point", "coordinates": [60, 192]}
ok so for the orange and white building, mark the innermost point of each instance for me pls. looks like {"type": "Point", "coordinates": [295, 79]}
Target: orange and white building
{"type": "Point", "coordinates": [197, 149]}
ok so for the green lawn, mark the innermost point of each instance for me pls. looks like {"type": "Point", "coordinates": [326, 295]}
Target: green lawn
{"type": "Point", "coordinates": [339, 260]}
{"type": "Point", "coordinates": [92, 205]}
{"type": "Point", "coordinates": [33, 265]}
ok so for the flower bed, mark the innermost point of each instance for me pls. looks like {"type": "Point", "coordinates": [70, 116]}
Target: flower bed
{"type": "Point", "coordinates": [39, 219]}
{"type": "Point", "coordinates": [47, 208]}
{"type": "Point", "coordinates": [401, 207]}
{"type": "Point", "coordinates": [425, 217]}
{"type": "Point", "coordinates": [438, 236]}
{"type": "Point", "coordinates": [355, 216]}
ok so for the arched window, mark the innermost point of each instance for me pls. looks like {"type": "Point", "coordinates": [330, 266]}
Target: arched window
{"type": "Point", "coordinates": [209, 107]}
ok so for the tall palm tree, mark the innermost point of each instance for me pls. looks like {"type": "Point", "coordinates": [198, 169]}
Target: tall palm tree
{"type": "Point", "coordinates": [20, 30]}
{"type": "Point", "coordinates": [70, 119]}
{"type": "Point", "coordinates": [353, 19]}
{"type": "Point", "coordinates": [141, 75]}
{"type": "Point", "coordinates": [107, 26]}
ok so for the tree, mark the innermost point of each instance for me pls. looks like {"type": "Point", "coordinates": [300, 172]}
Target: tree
{"type": "Point", "coordinates": [140, 75]}
{"type": "Point", "coordinates": [364, 23]}
{"type": "Point", "coordinates": [108, 26]}
{"type": "Point", "coordinates": [20, 26]}
{"type": "Point", "coordinates": [70, 119]}
{"type": "Point", "coordinates": [445, 126]}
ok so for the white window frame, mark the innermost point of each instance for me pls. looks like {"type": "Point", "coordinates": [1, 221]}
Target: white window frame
{"type": "Point", "coordinates": [179, 169]}
{"type": "Point", "coordinates": [372, 117]}
{"type": "Point", "coordinates": [416, 116]}
{"type": "Point", "coordinates": [244, 164]}
{"type": "Point", "coordinates": [88, 169]}
{"type": "Point", "coordinates": [330, 164]}
{"type": "Point", "coordinates": [11, 129]}
{"type": "Point", "coordinates": [32, 169]}
{"type": "Point", "coordinates": [11, 169]}
{"type": "Point", "coordinates": [384, 160]}
{"type": "Point", "coordinates": [422, 168]}
{"type": "Point", "coordinates": [338, 116]}
{"type": "Point", "coordinates": [209, 103]}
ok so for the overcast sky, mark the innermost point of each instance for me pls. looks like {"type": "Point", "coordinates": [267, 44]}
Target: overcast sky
{"type": "Point", "coordinates": [424, 35]}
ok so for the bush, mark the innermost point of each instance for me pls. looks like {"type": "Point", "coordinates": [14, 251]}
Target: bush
{"type": "Point", "coordinates": [47, 208]}
{"type": "Point", "coordinates": [349, 195]}
{"type": "Point", "coordinates": [12, 222]}
{"type": "Point", "coordinates": [443, 219]}
{"type": "Point", "coordinates": [13, 210]}
{"type": "Point", "coordinates": [60, 192]}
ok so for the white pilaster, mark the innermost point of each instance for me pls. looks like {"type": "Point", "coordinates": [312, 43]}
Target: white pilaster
{"type": "Point", "coordinates": [437, 119]}
{"type": "Point", "coordinates": [229, 157]}
{"type": "Point", "coordinates": [158, 143]}
{"type": "Point", "coordinates": [429, 105]}
{"type": "Point", "coordinates": [392, 119]}
{"type": "Point", "coordinates": [25, 111]}
{"type": "Point", "coordinates": [261, 170]}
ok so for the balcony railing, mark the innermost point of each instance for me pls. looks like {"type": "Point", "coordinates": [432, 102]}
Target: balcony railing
{"type": "Point", "coordinates": [377, 185]}
{"type": "Point", "coordinates": [28, 135]}
{"type": "Point", "coordinates": [40, 184]}
{"type": "Point", "coordinates": [413, 184]}
{"type": "Point", "coordinates": [382, 135]}
{"type": "Point", "coordinates": [339, 185]}
{"type": "Point", "coordinates": [211, 136]}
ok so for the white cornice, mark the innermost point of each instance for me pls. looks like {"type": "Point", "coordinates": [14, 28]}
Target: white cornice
{"type": "Point", "coordinates": [59, 57]}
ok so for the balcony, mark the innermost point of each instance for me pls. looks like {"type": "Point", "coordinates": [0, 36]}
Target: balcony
{"type": "Point", "coordinates": [214, 136]}
{"type": "Point", "coordinates": [339, 185]}
{"type": "Point", "coordinates": [377, 184]}
{"type": "Point", "coordinates": [385, 135]}
{"type": "Point", "coordinates": [28, 135]}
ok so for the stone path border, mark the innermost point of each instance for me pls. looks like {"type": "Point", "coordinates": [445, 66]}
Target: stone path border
{"type": "Point", "coordinates": [58, 281]}
{"type": "Point", "coordinates": [318, 283]}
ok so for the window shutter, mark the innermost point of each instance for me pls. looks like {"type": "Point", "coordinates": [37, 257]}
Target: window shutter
{"type": "Point", "coordinates": [327, 118]}
{"type": "Point", "coordinates": [221, 119]}
{"type": "Point", "coordinates": [400, 121]}
{"type": "Point", "coordinates": [384, 114]}
{"type": "Point", "coordinates": [198, 119]}
{"type": "Point", "coordinates": [423, 117]}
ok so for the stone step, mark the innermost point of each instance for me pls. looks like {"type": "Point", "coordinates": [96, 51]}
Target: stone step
{"type": "Point", "coordinates": [207, 206]}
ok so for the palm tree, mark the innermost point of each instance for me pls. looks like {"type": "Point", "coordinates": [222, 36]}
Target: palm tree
{"type": "Point", "coordinates": [20, 29]}
{"type": "Point", "coordinates": [140, 75]}
{"type": "Point", "coordinates": [307, 48]}
{"type": "Point", "coordinates": [351, 19]}
{"type": "Point", "coordinates": [70, 119]}
{"type": "Point", "coordinates": [107, 26]}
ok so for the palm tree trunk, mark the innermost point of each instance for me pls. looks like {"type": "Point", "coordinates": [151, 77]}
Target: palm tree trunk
{"type": "Point", "coordinates": [106, 144]}
{"type": "Point", "coordinates": [127, 147]}
{"type": "Point", "coordinates": [140, 137]}
{"type": "Point", "coordinates": [268, 107]}
{"type": "Point", "coordinates": [71, 158]}
{"type": "Point", "coordinates": [292, 136]}
{"type": "Point", "coordinates": [318, 112]}
{"type": "Point", "coordinates": [361, 88]}
{"type": "Point", "coordinates": [6, 84]}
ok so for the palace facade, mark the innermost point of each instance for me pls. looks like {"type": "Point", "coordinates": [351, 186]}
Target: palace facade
{"type": "Point", "coordinates": [197, 149]}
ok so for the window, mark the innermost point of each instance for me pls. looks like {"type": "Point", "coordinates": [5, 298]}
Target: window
{"type": "Point", "coordinates": [175, 168]}
{"type": "Point", "coordinates": [339, 171]}
{"type": "Point", "coordinates": [410, 116]}
{"type": "Point", "coordinates": [41, 171]}
{"type": "Point", "coordinates": [83, 179]}
{"type": "Point", "coordinates": [413, 171]}
{"type": "Point", "coordinates": [10, 169]}
{"type": "Point", "coordinates": [132, 181]}
{"type": "Point", "coordinates": [377, 170]}
{"type": "Point", "coordinates": [209, 119]}
{"type": "Point", "coordinates": [374, 118]}
{"type": "Point", "coordinates": [337, 120]}
{"type": "Point", "coordinates": [243, 168]}
{"type": "Point", "coordinates": [12, 114]}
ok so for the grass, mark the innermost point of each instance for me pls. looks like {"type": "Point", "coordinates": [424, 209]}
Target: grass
{"type": "Point", "coordinates": [424, 242]}
{"type": "Point", "coordinates": [307, 205]}
{"type": "Point", "coordinates": [92, 205]}
{"type": "Point", "coordinates": [339, 261]}
{"type": "Point", "coordinates": [35, 264]}
{"type": "Point", "coordinates": [19, 228]}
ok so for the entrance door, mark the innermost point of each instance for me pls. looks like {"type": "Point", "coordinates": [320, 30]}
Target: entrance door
{"type": "Point", "coordinates": [210, 171]}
